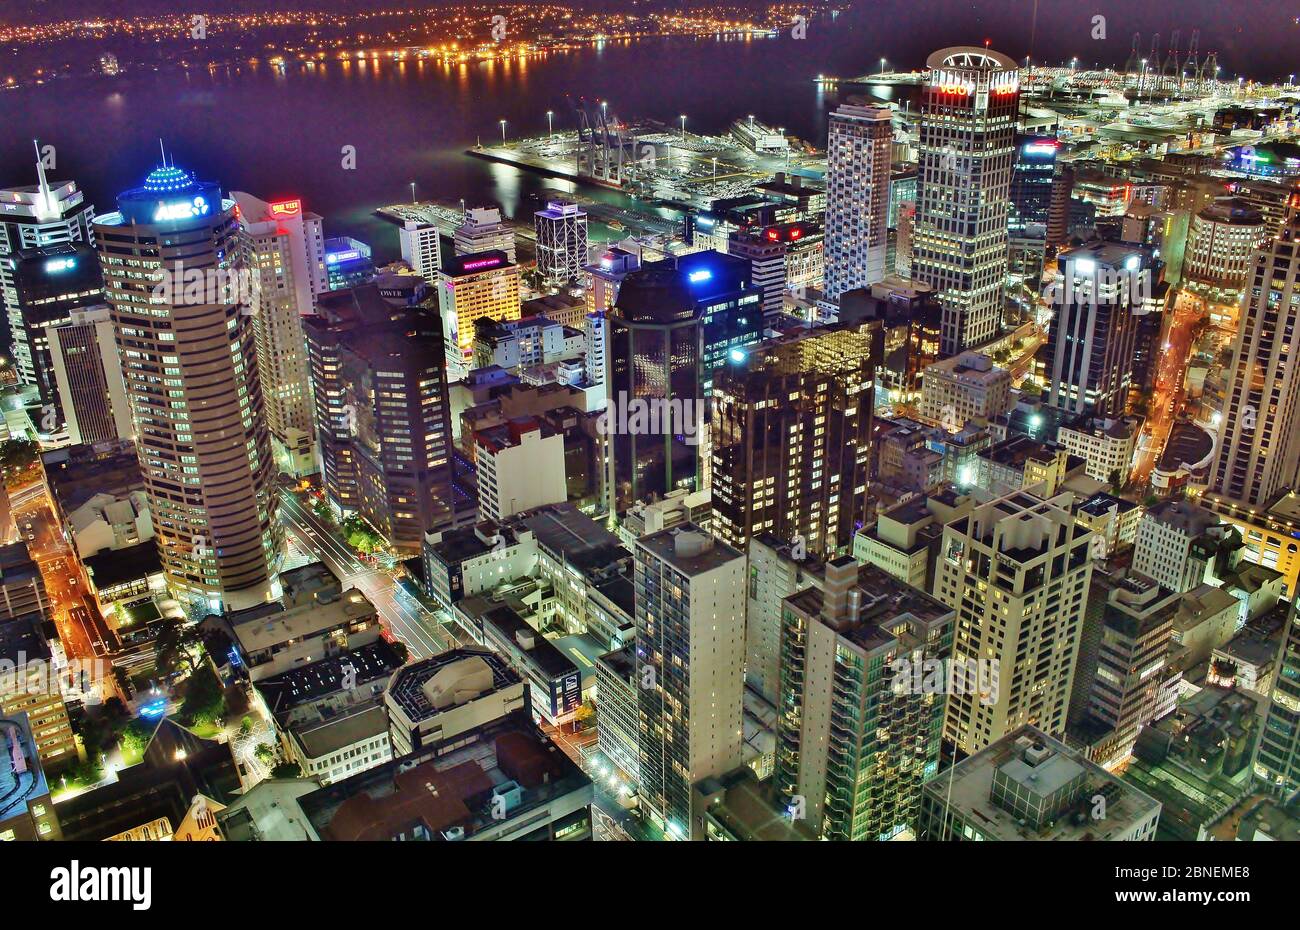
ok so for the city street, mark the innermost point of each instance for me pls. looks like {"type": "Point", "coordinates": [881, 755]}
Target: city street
{"type": "Point", "coordinates": [1167, 398]}
{"type": "Point", "coordinates": [406, 618]}
{"type": "Point", "coordinates": [72, 607]}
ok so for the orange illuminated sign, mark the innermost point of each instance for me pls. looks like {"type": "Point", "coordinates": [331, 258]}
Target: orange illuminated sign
{"type": "Point", "coordinates": [286, 208]}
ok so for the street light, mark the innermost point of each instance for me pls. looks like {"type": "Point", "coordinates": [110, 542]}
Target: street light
{"type": "Point", "coordinates": [715, 167]}
{"type": "Point", "coordinates": [503, 132]}
{"type": "Point", "coordinates": [549, 126]}
{"type": "Point", "coordinates": [882, 66]}
{"type": "Point", "coordinates": [413, 200]}
{"type": "Point", "coordinates": [683, 119]}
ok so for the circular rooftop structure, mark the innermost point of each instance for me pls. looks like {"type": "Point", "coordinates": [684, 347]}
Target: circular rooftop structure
{"type": "Point", "coordinates": [655, 296]}
{"type": "Point", "coordinates": [970, 58]}
{"type": "Point", "coordinates": [1233, 211]}
{"type": "Point", "coordinates": [168, 180]}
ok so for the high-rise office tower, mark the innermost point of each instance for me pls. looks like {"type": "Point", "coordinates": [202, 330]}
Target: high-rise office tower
{"type": "Point", "coordinates": [859, 147]}
{"type": "Point", "coordinates": [1032, 178]}
{"type": "Point", "coordinates": [1260, 450]}
{"type": "Point", "coordinates": [606, 275]}
{"type": "Point", "coordinates": [969, 103]}
{"type": "Point", "coordinates": [1277, 760]}
{"type": "Point", "coordinates": [283, 249]}
{"type": "Point", "coordinates": [790, 433]}
{"type": "Point", "coordinates": [1220, 242]}
{"type": "Point", "coordinates": [1124, 682]}
{"type": "Point", "coordinates": [348, 262]}
{"type": "Point", "coordinates": [1031, 198]}
{"type": "Point", "coordinates": [855, 710]}
{"type": "Point", "coordinates": [1016, 570]}
{"type": "Point", "coordinates": [87, 371]}
{"type": "Point", "coordinates": [766, 255]}
{"type": "Point", "coordinates": [1088, 356]}
{"type": "Point", "coordinates": [470, 287]}
{"type": "Point", "coordinates": [689, 667]}
{"type": "Point", "coordinates": [421, 249]}
{"type": "Point", "coordinates": [49, 284]}
{"type": "Point", "coordinates": [44, 214]}
{"type": "Point", "coordinates": [172, 276]}
{"type": "Point", "coordinates": [483, 231]}
{"type": "Point", "coordinates": [561, 242]}
{"type": "Point", "coordinates": [382, 413]}
{"type": "Point", "coordinates": [603, 281]}
{"type": "Point", "coordinates": [1058, 209]}
{"type": "Point", "coordinates": [676, 321]}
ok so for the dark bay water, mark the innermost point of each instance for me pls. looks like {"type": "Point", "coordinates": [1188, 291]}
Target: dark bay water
{"type": "Point", "coordinates": [280, 132]}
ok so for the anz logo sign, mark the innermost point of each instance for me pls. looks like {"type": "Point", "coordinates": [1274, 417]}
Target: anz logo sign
{"type": "Point", "coordinates": [181, 210]}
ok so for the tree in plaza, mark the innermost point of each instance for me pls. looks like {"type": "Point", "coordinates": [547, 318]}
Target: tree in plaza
{"type": "Point", "coordinates": [204, 698]}
{"type": "Point", "coordinates": [172, 647]}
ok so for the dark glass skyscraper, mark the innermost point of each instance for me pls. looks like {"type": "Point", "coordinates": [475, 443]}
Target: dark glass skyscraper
{"type": "Point", "coordinates": [675, 322]}
{"type": "Point", "coordinates": [49, 284]}
{"type": "Point", "coordinates": [1031, 186]}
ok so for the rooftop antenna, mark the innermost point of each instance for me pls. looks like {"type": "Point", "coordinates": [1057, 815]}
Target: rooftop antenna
{"type": "Point", "coordinates": [162, 149]}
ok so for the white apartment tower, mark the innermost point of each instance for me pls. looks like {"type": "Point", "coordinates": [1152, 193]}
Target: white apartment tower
{"type": "Point", "coordinates": [421, 249]}
{"type": "Point", "coordinates": [969, 103]}
{"type": "Point", "coordinates": [283, 249]}
{"type": "Point", "coordinates": [1017, 572]}
{"type": "Point", "coordinates": [689, 667]}
{"type": "Point", "coordinates": [520, 466]}
{"type": "Point", "coordinates": [1260, 450]}
{"type": "Point", "coordinates": [1176, 544]}
{"type": "Point", "coordinates": [859, 147]}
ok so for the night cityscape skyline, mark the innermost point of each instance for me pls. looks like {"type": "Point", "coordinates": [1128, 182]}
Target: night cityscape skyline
{"type": "Point", "coordinates": [629, 421]}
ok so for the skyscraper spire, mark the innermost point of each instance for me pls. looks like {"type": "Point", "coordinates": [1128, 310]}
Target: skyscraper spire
{"type": "Point", "coordinates": [46, 206]}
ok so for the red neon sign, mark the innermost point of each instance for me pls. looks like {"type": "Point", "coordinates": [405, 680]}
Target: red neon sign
{"type": "Point", "coordinates": [286, 208]}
